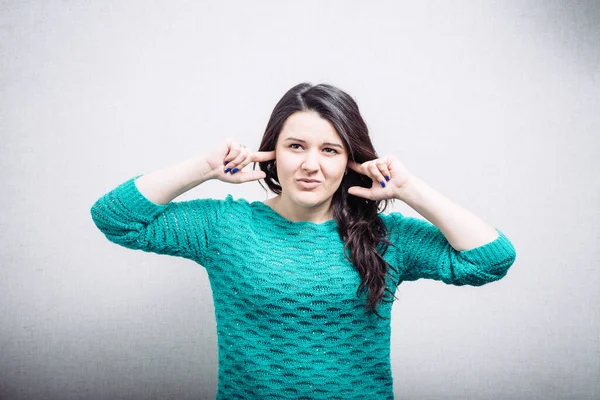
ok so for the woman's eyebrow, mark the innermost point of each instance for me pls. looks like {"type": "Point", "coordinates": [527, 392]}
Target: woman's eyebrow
{"type": "Point", "coordinates": [325, 143]}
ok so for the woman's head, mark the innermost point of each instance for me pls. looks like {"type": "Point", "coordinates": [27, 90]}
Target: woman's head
{"type": "Point", "coordinates": [314, 110]}
{"type": "Point", "coordinates": [311, 160]}
{"type": "Point", "coordinates": [315, 130]}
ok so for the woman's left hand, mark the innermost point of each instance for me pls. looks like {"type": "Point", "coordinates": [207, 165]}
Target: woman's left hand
{"type": "Point", "coordinates": [389, 175]}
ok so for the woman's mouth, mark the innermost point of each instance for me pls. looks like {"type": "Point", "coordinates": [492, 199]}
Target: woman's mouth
{"type": "Point", "coordinates": [308, 183]}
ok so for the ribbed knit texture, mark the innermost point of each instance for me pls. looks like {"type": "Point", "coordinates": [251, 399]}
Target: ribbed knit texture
{"type": "Point", "coordinates": [289, 322]}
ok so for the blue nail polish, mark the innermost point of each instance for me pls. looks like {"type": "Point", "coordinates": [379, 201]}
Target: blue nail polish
{"type": "Point", "coordinates": [387, 178]}
{"type": "Point", "coordinates": [226, 162]}
{"type": "Point", "coordinates": [234, 171]}
{"type": "Point", "coordinates": [382, 184]}
{"type": "Point", "coordinates": [227, 170]}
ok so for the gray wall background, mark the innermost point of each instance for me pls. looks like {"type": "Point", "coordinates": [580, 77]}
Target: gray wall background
{"type": "Point", "coordinates": [494, 104]}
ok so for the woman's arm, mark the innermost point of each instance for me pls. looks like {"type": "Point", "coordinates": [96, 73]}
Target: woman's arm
{"type": "Point", "coordinates": [140, 214]}
{"type": "Point", "coordinates": [463, 229]}
{"type": "Point", "coordinates": [392, 180]}
{"type": "Point", "coordinates": [164, 185]}
{"type": "Point", "coordinates": [453, 246]}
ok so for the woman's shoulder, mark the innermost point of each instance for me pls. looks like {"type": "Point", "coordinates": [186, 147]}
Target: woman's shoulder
{"type": "Point", "coordinates": [397, 221]}
{"type": "Point", "coordinates": [391, 218]}
{"type": "Point", "coordinates": [217, 206]}
{"type": "Point", "coordinates": [228, 199]}
{"type": "Point", "coordinates": [242, 212]}
{"type": "Point", "coordinates": [229, 203]}
{"type": "Point", "coordinates": [240, 202]}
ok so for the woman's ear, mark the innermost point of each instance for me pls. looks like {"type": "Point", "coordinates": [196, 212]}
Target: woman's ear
{"type": "Point", "coordinates": [272, 170]}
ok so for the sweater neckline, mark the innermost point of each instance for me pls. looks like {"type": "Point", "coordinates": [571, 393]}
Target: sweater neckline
{"type": "Point", "coordinates": [327, 225]}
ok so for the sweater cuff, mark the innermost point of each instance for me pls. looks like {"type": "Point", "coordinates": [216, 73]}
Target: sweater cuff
{"type": "Point", "coordinates": [497, 251]}
{"type": "Point", "coordinates": [136, 203]}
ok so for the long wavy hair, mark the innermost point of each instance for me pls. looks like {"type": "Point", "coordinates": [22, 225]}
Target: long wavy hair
{"type": "Point", "coordinates": [362, 230]}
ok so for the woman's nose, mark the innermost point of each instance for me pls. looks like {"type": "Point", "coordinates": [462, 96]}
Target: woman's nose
{"type": "Point", "coordinates": [311, 162]}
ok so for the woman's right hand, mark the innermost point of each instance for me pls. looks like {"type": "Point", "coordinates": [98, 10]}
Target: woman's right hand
{"type": "Point", "coordinates": [231, 156]}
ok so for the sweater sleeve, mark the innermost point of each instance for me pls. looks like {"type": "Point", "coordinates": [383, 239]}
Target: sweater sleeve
{"type": "Point", "coordinates": [182, 229]}
{"type": "Point", "coordinates": [424, 252]}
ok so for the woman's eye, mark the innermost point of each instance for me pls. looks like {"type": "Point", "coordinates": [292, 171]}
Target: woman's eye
{"type": "Point", "coordinates": [327, 149]}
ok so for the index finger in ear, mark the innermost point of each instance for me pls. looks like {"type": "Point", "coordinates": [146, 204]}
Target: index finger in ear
{"type": "Point", "coordinates": [355, 166]}
{"type": "Point", "coordinates": [263, 156]}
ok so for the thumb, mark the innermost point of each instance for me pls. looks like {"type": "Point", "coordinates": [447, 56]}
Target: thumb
{"type": "Point", "coordinates": [360, 192]}
{"type": "Point", "coordinates": [355, 166]}
{"type": "Point", "coordinates": [252, 176]}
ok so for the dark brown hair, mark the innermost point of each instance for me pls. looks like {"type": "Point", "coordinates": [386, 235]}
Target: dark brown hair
{"type": "Point", "coordinates": [359, 224]}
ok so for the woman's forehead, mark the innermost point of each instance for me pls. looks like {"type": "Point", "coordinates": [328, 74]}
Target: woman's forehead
{"type": "Point", "coordinates": [309, 127]}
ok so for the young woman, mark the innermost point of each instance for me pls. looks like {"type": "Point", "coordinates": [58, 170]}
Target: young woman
{"type": "Point", "coordinates": [303, 283]}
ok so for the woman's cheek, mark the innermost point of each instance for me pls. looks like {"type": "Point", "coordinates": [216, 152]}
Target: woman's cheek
{"type": "Point", "coordinates": [336, 168]}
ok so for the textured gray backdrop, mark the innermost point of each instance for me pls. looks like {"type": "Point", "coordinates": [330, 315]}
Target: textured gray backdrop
{"type": "Point", "coordinates": [494, 104]}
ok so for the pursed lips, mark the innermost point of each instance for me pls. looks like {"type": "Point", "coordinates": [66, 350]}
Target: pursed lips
{"type": "Point", "coordinates": [308, 180]}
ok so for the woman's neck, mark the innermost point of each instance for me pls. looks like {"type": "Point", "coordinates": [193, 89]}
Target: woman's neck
{"type": "Point", "coordinates": [317, 214]}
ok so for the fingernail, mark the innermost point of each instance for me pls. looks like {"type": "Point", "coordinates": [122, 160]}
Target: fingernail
{"type": "Point", "coordinates": [387, 178]}
{"type": "Point", "coordinates": [234, 171]}
{"type": "Point", "coordinates": [227, 170]}
{"type": "Point", "coordinates": [382, 184]}
{"type": "Point", "coordinates": [226, 162]}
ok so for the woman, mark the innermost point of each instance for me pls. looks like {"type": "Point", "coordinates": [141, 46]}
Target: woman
{"type": "Point", "coordinates": [303, 283]}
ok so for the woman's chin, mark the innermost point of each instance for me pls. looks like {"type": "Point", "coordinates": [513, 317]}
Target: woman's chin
{"type": "Point", "coordinates": [308, 199]}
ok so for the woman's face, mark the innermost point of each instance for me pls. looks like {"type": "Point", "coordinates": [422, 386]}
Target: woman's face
{"type": "Point", "coordinates": [311, 160]}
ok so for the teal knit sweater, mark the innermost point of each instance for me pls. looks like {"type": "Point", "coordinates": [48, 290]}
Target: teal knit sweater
{"type": "Point", "coordinates": [289, 322]}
